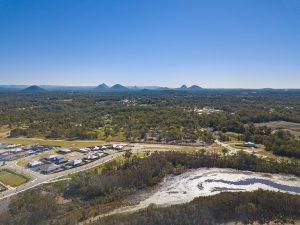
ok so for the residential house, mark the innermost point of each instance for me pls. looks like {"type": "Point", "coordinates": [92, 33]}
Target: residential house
{"type": "Point", "coordinates": [84, 150]}
{"type": "Point", "coordinates": [91, 157]}
{"type": "Point", "coordinates": [5, 157]}
{"type": "Point", "coordinates": [102, 147]}
{"type": "Point", "coordinates": [60, 161]}
{"type": "Point", "coordinates": [95, 148]}
{"type": "Point", "coordinates": [48, 168]}
{"type": "Point", "coordinates": [64, 151]}
{"type": "Point", "coordinates": [251, 145]}
{"type": "Point", "coordinates": [34, 164]}
{"type": "Point", "coordinates": [76, 162]}
{"type": "Point", "coordinates": [53, 158]}
{"type": "Point", "coordinates": [16, 150]}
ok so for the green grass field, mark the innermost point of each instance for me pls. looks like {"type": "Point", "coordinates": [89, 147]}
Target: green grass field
{"type": "Point", "coordinates": [238, 145]}
{"type": "Point", "coordinates": [292, 127]}
{"type": "Point", "coordinates": [60, 143]}
{"type": "Point", "coordinates": [12, 178]}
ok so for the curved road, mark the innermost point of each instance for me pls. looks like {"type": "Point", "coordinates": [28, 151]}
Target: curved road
{"type": "Point", "coordinates": [40, 178]}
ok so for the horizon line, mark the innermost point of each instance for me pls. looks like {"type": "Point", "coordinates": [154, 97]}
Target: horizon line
{"type": "Point", "coordinates": [141, 86]}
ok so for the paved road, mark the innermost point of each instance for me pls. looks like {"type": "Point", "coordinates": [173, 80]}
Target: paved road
{"type": "Point", "coordinates": [231, 150]}
{"type": "Point", "coordinates": [40, 178]}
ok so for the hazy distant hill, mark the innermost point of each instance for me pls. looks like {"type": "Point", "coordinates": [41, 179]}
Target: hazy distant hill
{"type": "Point", "coordinates": [33, 89]}
{"type": "Point", "coordinates": [119, 87]}
{"type": "Point", "coordinates": [191, 88]}
{"type": "Point", "coordinates": [195, 88]}
{"type": "Point", "coordinates": [102, 87]}
{"type": "Point", "coordinates": [183, 87]}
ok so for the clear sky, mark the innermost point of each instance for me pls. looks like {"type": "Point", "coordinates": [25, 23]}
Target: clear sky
{"type": "Point", "coordinates": [211, 43]}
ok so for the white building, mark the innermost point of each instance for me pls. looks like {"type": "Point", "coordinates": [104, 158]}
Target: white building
{"type": "Point", "coordinates": [99, 154]}
{"type": "Point", "coordinates": [91, 157]}
{"type": "Point", "coordinates": [34, 163]}
{"type": "Point", "coordinates": [84, 150]}
{"type": "Point", "coordinates": [76, 162]}
{"type": "Point", "coordinates": [16, 150]}
{"type": "Point", "coordinates": [251, 145]}
{"type": "Point", "coordinates": [64, 151]}
{"type": "Point", "coordinates": [103, 147]}
{"type": "Point", "coordinates": [95, 148]}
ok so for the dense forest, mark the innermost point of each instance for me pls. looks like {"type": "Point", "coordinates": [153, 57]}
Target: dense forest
{"type": "Point", "coordinates": [90, 193]}
{"type": "Point", "coordinates": [249, 207]}
{"type": "Point", "coordinates": [155, 116]}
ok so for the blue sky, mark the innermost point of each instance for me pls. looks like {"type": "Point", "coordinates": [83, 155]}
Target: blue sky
{"type": "Point", "coordinates": [212, 43]}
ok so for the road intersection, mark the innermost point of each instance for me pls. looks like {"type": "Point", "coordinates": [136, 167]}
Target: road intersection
{"type": "Point", "coordinates": [39, 179]}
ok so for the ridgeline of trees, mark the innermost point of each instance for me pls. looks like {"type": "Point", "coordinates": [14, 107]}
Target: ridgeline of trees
{"type": "Point", "coordinates": [246, 207]}
{"type": "Point", "coordinates": [87, 194]}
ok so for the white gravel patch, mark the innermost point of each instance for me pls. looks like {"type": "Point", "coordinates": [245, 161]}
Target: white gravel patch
{"type": "Point", "coordinates": [205, 182]}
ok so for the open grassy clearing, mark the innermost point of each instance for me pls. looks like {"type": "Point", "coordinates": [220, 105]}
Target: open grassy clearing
{"type": "Point", "coordinates": [270, 155]}
{"type": "Point", "coordinates": [281, 124]}
{"type": "Point", "coordinates": [211, 148]}
{"type": "Point", "coordinates": [292, 127]}
{"type": "Point", "coordinates": [238, 145]}
{"type": "Point", "coordinates": [60, 143]}
{"type": "Point", "coordinates": [86, 143]}
{"type": "Point", "coordinates": [13, 179]}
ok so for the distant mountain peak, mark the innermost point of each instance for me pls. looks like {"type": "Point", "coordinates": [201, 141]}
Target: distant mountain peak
{"type": "Point", "coordinates": [33, 89]}
{"type": "Point", "coordinates": [102, 86]}
{"type": "Point", "coordinates": [195, 88]}
{"type": "Point", "coordinates": [119, 87]}
{"type": "Point", "coordinates": [183, 87]}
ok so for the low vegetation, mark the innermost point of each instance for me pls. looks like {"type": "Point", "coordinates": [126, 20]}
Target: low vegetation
{"type": "Point", "coordinates": [13, 179]}
{"type": "Point", "coordinates": [259, 206]}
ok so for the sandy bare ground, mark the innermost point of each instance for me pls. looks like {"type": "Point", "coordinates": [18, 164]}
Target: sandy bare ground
{"type": "Point", "coordinates": [205, 182]}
